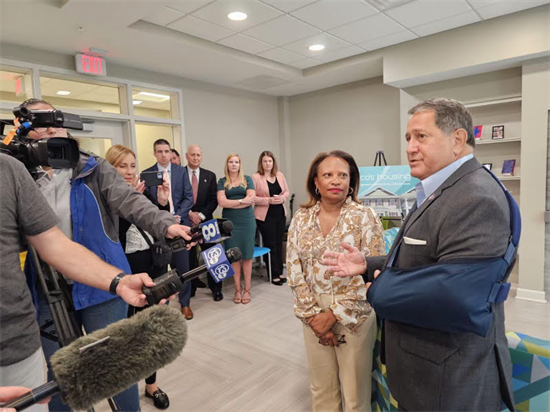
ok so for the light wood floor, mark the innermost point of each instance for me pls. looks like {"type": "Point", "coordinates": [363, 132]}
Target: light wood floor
{"type": "Point", "coordinates": [252, 357]}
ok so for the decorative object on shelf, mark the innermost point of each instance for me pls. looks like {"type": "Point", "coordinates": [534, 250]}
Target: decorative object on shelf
{"type": "Point", "coordinates": [498, 132]}
{"type": "Point", "coordinates": [477, 132]}
{"type": "Point", "coordinates": [508, 167]}
{"type": "Point", "coordinates": [488, 165]}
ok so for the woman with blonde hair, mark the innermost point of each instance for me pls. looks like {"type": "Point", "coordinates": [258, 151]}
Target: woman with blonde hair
{"type": "Point", "coordinates": [270, 211]}
{"type": "Point", "coordinates": [339, 325]}
{"type": "Point", "coordinates": [136, 242]}
{"type": "Point", "coordinates": [236, 195]}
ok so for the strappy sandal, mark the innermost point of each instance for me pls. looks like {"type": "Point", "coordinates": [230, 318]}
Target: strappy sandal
{"type": "Point", "coordinates": [238, 297]}
{"type": "Point", "coordinates": [246, 300]}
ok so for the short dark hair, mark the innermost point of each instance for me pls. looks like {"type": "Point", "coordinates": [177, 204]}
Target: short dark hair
{"type": "Point", "coordinates": [449, 115]}
{"type": "Point", "coordinates": [354, 176]}
{"type": "Point", "coordinates": [160, 141]}
{"type": "Point", "coordinates": [32, 101]}
{"type": "Point", "coordinates": [260, 166]}
{"type": "Point", "coordinates": [176, 152]}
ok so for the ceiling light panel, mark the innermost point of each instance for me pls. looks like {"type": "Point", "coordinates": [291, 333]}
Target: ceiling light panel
{"type": "Point", "coordinates": [217, 12]}
{"type": "Point", "coordinates": [327, 14]}
{"type": "Point", "coordinates": [281, 56]}
{"type": "Point", "coordinates": [366, 29]}
{"type": "Point", "coordinates": [282, 30]}
{"type": "Point", "coordinates": [507, 7]}
{"type": "Point", "coordinates": [164, 16]}
{"type": "Point", "coordinates": [302, 46]}
{"type": "Point", "coordinates": [418, 13]}
{"type": "Point", "coordinates": [340, 54]}
{"type": "Point", "coordinates": [288, 5]}
{"type": "Point", "coordinates": [387, 41]}
{"type": "Point", "coordinates": [186, 6]}
{"type": "Point", "coordinates": [200, 28]}
{"type": "Point", "coordinates": [237, 16]}
{"type": "Point", "coordinates": [245, 43]}
{"type": "Point", "coordinates": [446, 24]}
{"type": "Point", "coordinates": [151, 97]}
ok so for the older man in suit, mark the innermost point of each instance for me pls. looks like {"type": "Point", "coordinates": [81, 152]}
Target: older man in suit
{"type": "Point", "coordinates": [204, 185]}
{"type": "Point", "coordinates": [181, 202]}
{"type": "Point", "coordinates": [461, 213]}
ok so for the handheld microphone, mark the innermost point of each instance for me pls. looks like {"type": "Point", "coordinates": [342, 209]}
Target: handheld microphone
{"type": "Point", "coordinates": [218, 263]}
{"type": "Point", "coordinates": [106, 362]}
{"type": "Point", "coordinates": [211, 231]}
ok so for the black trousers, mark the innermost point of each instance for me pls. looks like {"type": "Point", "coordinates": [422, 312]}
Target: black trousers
{"type": "Point", "coordinates": [272, 230]}
{"type": "Point", "coordinates": [141, 262]}
{"type": "Point", "coordinates": [194, 263]}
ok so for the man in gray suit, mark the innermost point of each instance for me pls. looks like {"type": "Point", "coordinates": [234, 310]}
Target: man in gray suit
{"type": "Point", "coordinates": [461, 212]}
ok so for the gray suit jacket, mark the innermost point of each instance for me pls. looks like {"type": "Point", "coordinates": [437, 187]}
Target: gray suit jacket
{"type": "Point", "coordinates": [429, 370]}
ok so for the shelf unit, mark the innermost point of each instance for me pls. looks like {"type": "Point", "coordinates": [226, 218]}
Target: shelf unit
{"type": "Point", "coordinates": [512, 140]}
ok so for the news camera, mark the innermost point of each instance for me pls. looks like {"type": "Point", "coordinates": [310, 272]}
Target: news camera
{"type": "Point", "coordinates": [56, 152]}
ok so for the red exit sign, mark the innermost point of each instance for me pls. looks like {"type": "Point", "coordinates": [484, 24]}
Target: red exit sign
{"type": "Point", "coordinates": [88, 64]}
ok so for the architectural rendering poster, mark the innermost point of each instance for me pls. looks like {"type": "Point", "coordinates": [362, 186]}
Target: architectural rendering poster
{"type": "Point", "coordinates": [389, 190]}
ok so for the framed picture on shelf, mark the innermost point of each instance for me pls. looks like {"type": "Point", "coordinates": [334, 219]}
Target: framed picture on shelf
{"type": "Point", "coordinates": [488, 165]}
{"type": "Point", "coordinates": [498, 132]}
{"type": "Point", "coordinates": [477, 132]}
{"type": "Point", "coordinates": [508, 167]}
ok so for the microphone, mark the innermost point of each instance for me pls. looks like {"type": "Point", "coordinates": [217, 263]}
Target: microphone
{"type": "Point", "coordinates": [217, 262]}
{"type": "Point", "coordinates": [211, 231]}
{"type": "Point", "coordinates": [106, 362]}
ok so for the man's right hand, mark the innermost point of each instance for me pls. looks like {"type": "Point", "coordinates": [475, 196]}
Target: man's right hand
{"type": "Point", "coordinates": [352, 263]}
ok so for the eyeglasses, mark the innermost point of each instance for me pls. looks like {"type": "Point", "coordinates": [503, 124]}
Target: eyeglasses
{"type": "Point", "coordinates": [340, 339]}
{"type": "Point", "coordinates": [42, 130]}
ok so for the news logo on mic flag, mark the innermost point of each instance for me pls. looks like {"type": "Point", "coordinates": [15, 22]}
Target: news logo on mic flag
{"type": "Point", "coordinates": [210, 230]}
{"type": "Point", "coordinates": [477, 131]}
{"type": "Point", "coordinates": [217, 263]}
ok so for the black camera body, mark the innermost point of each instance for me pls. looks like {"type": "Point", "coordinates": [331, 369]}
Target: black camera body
{"type": "Point", "coordinates": [57, 152]}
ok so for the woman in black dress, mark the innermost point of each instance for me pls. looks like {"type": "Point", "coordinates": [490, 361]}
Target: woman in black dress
{"type": "Point", "coordinates": [136, 246]}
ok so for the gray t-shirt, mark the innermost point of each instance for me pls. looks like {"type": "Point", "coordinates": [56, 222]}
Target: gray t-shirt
{"type": "Point", "coordinates": [23, 211]}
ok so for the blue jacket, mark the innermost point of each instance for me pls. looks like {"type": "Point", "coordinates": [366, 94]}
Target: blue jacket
{"type": "Point", "coordinates": [98, 195]}
{"type": "Point", "coordinates": [182, 192]}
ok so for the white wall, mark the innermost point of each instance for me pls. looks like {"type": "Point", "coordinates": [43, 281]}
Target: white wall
{"type": "Point", "coordinates": [360, 118]}
{"type": "Point", "coordinates": [227, 122]}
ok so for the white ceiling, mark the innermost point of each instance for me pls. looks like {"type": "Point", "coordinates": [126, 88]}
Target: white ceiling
{"type": "Point", "coordinates": [266, 52]}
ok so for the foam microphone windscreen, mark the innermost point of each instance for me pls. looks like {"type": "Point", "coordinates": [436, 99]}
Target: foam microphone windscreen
{"type": "Point", "coordinates": [136, 348]}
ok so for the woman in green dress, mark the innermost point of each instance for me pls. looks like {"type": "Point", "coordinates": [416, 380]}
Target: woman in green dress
{"type": "Point", "coordinates": [236, 195]}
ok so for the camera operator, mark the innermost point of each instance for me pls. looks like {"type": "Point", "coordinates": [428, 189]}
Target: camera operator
{"type": "Point", "coordinates": [87, 200]}
{"type": "Point", "coordinates": [24, 213]}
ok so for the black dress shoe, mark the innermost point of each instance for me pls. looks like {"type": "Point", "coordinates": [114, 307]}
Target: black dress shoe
{"type": "Point", "coordinates": [283, 280]}
{"type": "Point", "coordinates": [279, 283]}
{"type": "Point", "coordinates": [160, 399]}
{"type": "Point", "coordinates": [217, 296]}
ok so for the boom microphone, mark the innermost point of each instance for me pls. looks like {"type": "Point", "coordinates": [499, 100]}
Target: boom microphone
{"type": "Point", "coordinates": [218, 263]}
{"type": "Point", "coordinates": [106, 362]}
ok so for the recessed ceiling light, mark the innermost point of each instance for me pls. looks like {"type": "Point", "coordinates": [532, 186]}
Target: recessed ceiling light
{"type": "Point", "coordinates": [237, 16]}
{"type": "Point", "coordinates": [316, 47]}
{"type": "Point", "coordinates": [136, 102]}
{"type": "Point", "coordinates": [63, 92]}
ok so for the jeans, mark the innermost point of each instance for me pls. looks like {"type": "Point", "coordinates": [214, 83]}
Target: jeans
{"type": "Point", "coordinates": [91, 318]}
{"type": "Point", "coordinates": [180, 261]}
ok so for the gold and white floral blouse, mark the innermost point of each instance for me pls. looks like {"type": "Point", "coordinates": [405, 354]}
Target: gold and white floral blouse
{"type": "Point", "coordinates": [357, 225]}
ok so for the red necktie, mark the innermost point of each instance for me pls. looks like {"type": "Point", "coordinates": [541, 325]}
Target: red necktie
{"type": "Point", "coordinates": [195, 186]}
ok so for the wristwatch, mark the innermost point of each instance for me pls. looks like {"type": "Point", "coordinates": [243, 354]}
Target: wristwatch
{"type": "Point", "coordinates": [240, 201]}
{"type": "Point", "coordinates": [114, 283]}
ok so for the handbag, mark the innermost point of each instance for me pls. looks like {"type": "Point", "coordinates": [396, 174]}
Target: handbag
{"type": "Point", "coordinates": [161, 253]}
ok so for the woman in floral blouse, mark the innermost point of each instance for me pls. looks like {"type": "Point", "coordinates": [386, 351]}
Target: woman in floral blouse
{"type": "Point", "coordinates": [338, 323]}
